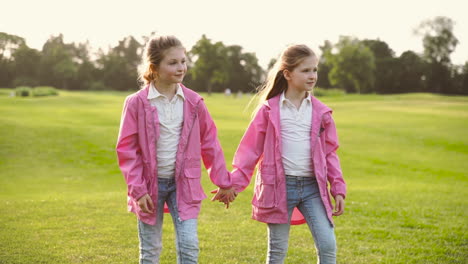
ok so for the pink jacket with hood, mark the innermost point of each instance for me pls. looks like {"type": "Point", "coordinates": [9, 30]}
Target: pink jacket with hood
{"type": "Point", "coordinates": [136, 151]}
{"type": "Point", "coordinates": [261, 144]}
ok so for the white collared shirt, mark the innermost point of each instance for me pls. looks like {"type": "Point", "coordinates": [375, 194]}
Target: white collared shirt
{"type": "Point", "coordinates": [171, 117]}
{"type": "Point", "coordinates": [295, 136]}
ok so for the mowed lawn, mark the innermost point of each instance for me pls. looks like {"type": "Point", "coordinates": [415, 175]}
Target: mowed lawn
{"type": "Point", "coordinates": [404, 157]}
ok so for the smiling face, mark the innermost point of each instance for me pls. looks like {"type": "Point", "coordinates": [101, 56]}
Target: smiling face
{"type": "Point", "coordinates": [173, 67]}
{"type": "Point", "coordinates": [303, 77]}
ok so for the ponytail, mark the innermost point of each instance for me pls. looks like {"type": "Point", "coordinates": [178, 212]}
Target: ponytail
{"type": "Point", "coordinates": [276, 83]}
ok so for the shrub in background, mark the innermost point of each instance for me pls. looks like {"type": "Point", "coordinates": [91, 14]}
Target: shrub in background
{"type": "Point", "coordinates": [44, 91]}
{"type": "Point", "coordinates": [23, 91]}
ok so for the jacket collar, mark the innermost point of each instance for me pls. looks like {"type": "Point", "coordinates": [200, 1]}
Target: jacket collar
{"type": "Point", "coordinates": [318, 107]}
{"type": "Point", "coordinates": [191, 97]}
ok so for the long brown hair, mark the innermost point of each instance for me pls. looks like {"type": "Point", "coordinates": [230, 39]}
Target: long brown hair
{"type": "Point", "coordinates": [153, 55]}
{"type": "Point", "coordinates": [275, 83]}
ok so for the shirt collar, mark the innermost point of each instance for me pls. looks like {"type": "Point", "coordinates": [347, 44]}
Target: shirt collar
{"type": "Point", "coordinates": [283, 98]}
{"type": "Point", "coordinates": [154, 93]}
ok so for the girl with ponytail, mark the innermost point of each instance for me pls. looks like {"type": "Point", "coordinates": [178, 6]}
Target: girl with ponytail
{"type": "Point", "coordinates": [292, 140]}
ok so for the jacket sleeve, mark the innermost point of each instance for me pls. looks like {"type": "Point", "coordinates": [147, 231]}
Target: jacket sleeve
{"type": "Point", "coordinates": [334, 173]}
{"type": "Point", "coordinates": [129, 151]}
{"type": "Point", "coordinates": [211, 151]}
{"type": "Point", "coordinates": [249, 151]}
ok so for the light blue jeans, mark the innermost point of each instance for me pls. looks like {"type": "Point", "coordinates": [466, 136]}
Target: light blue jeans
{"type": "Point", "coordinates": [151, 235]}
{"type": "Point", "coordinates": [303, 193]}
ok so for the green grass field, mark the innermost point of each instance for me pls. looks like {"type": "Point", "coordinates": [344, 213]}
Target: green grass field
{"type": "Point", "coordinates": [404, 157]}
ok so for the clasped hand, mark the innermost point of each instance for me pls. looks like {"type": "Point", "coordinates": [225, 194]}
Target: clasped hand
{"type": "Point", "coordinates": [225, 196]}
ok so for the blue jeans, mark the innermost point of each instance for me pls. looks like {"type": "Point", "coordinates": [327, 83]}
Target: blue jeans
{"type": "Point", "coordinates": [186, 231]}
{"type": "Point", "coordinates": [303, 193]}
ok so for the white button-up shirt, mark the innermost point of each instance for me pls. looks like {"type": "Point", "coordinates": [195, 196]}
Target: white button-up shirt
{"type": "Point", "coordinates": [171, 117]}
{"type": "Point", "coordinates": [295, 136]}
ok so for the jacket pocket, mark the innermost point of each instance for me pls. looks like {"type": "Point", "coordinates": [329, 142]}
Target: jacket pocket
{"type": "Point", "coordinates": [192, 191]}
{"type": "Point", "coordinates": [265, 190]}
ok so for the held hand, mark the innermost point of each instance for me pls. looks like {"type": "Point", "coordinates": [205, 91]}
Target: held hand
{"type": "Point", "coordinates": [146, 204]}
{"type": "Point", "coordinates": [339, 205]}
{"type": "Point", "coordinates": [225, 196]}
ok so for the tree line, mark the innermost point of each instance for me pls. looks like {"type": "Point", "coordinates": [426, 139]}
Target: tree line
{"type": "Point", "coordinates": [367, 66]}
{"type": "Point", "coordinates": [357, 66]}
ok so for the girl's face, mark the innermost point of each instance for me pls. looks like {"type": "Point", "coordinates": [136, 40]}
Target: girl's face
{"type": "Point", "coordinates": [304, 77]}
{"type": "Point", "coordinates": [172, 68]}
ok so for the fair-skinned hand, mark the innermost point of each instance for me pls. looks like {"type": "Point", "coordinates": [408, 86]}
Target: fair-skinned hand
{"type": "Point", "coordinates": [225, 196]}
{"type": "Point", "coordinates": [146, 204]}
{"type": "Point", "coordinates": [339, 205]}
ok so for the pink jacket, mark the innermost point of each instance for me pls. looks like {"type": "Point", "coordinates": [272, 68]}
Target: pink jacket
{"type": "Point", "coordinates": [136, 151]}
{"type": "Point", "coordinates": [261, 144]}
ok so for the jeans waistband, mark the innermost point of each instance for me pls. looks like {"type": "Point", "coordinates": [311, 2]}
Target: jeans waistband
{"type": "Point", "coordinates": [300, 178]}
{"type": "Point", "coordinates": [166, 180]}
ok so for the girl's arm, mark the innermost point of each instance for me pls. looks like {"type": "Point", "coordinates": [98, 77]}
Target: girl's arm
{"type": "Point", "coordinates": [249, 151]}
{"type": "Point", "coordinates": [211, 151]}
{"type": "Point", "coordinates": [129, 152]}
{"type": "Point", "coordinates": [334, 174]}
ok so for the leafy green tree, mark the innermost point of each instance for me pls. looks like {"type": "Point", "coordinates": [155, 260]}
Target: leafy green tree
{"type": "Point", "coordinates": [254, 74]}
{"type": "Point", "coordinates": [118, 69]}
{"type": "Point", "coordinates": [8, 45]}
{"type": "Point", "coordinates": [217, 67]}
{"type": "Point", "coordinates": [210, 65]}
{"type": "Point", "coordinates": [57, 65]}
{"type": "Point", "coordinates": [386, 66]}
{"type": "Point", "coordinates": [244, 73]}
{"type": "Point", "coordinates": [26, 63]}
{"type": "Point", "coordinates": [380, 48]}
{"type": "Point", "coordinates": [87, 75]}
{"type": "Point", "coordinates": [324, 66]}
{"type": "Point", "coordinates": [459, 80]}
{"type": "Point", "coordinates": [352, 67]}
{"type": "Point", "coordinates": [464, 82]}
{"type": "Point", "coordinates": [411, 75]}
{"type": "Point", "coordinates": [439, 42]}
{"type": "Point", "coordinates": [6, 72]}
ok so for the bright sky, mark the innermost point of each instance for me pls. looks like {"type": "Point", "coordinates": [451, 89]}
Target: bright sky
{"type": "Point", "coordinates": [261, 26]}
